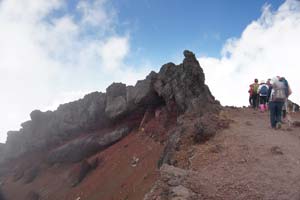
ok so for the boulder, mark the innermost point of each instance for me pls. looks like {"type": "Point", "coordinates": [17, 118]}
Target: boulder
{"type": "Point", "coordinates": [143, 93]}
{"type": "Point", "coordinates": [116, 104]}
{"type": "Point", "coordinates": [116, 107]}
{"type": "Point", "coordinates": [205, 128]}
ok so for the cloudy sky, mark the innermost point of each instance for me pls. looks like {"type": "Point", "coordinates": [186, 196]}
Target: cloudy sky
{"type": "Point", "coordinates": [55, 51]}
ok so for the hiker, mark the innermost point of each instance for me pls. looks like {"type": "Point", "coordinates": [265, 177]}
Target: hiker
{"type": "Point", "coordinates": [263, 91]}
{"type": "Point", "coordinates": [250, 91]}
{"type": "Point", "coordinates": [288, 92]}
{"type": "Point", "coordinates": [255, 99]}
{"type": "Point", "coordinates": [277, 97]}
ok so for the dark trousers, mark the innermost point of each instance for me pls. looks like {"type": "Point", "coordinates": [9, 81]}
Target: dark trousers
{"type": "Point", "coordinates": [275, 112]}
{"type": "Point", "coordinates": [250, 100]}
{"type": "Point", "coordinates": [255, 100]}
{"type": "Point", "coordinates": [263, 99]}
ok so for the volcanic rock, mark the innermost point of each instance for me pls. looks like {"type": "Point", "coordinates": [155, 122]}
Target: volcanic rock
{"type": "Point", "coordinates": [176, 183]}
{"type": "Point", "coordinates": [83, 147]}
{"type": "Point", "coordinates": [181, 88]}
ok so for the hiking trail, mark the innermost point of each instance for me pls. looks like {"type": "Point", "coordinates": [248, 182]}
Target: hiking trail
{"type": "Point", "coordinates": [250, 160]}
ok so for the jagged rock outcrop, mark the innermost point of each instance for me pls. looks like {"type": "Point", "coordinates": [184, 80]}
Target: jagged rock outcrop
{"type": "Point", "coordinates": [48, 128]}
{"type": "Point", "coordinates": [180, 87]}
{"type": "Point", "coordinates": [184, 85]}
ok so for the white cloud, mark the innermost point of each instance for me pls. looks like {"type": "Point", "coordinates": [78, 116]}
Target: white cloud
{"type": "Point", "coordinates": [114, 51]}
{"type": "Point", "coordinates": [269, 46]}
{"type": "Point", "coordinates": [47, 59]}
{"type": "Point", "coordinates": [94, 14]}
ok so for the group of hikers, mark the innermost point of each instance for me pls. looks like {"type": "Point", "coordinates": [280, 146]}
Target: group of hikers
{"type": "Point", "coordinates": [271, 95]}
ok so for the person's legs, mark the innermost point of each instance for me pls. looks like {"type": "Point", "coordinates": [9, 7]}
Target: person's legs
{"type": "Point", "coordinates": [277, 114]}
{"type": "Point", "coordinates": [254, 99]}
{"type": "Point", "coordinates": [265, 102]}
{"type": "Point", "coordinates": [279, 108]}
{"type": "Point", "coordinates": [262, 101]}
{"type": "Point", "coordinates": [272, 114]}
{"type": "Point", "coordinates": [250, 100]}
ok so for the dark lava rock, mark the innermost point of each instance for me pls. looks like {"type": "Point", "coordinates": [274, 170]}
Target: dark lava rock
{"type": "Point", "coordinates": [52, 128]}
{"type": "Point", "coordinates": [185, 85]}
{"type": "Point", "coordinates": [180, 87]}
{"type": "Point", "coordinates": [172, 145]}
{"type": "Point", "coordinates": [84, 147]}
{"type": "Point", "coordinates": [204, 130]}
{"type": "Point", "coordinates": [116, 104]}
{"type": "Point", "coordinates": [276, 150]}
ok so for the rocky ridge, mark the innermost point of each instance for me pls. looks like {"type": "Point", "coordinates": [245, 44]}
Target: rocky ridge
{"type": "Point", "coordinates": [173, 107]}
{"type": "Point", "coordinates": [179, 87]}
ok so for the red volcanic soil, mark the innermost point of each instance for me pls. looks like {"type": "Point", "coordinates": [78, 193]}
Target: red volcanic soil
{"type": "Point", "coordinates": [114, 178]}
{"type": "Point", "coordinates": [126, 170]}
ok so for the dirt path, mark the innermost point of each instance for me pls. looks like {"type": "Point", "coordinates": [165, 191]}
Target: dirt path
{"type": "Point", "coordinates": [250, 160]}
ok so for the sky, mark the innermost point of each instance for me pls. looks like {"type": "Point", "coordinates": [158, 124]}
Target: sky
{"type": "Point", "coordinates": [56, 51]}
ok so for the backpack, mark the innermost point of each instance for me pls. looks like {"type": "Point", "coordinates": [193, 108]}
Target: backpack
{"type": "Point", "coordinates": [279, 92]}
{"type": "Point", "coordinates": [287, 92]}
{"type": "Point", "coordinates": [263, 90]}
{"type": "Point", "coordinates": [255, 88]}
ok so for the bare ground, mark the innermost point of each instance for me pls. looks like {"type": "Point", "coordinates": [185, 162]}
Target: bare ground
{"type": "Point", "coordinates": [115, 178]}
{"type": "Point", "coordinates": [250, 160]}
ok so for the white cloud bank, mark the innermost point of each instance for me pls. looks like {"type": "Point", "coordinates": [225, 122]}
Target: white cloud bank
{"type": "Point", "coordinates": [49, 55]}
{"type": "Point", "coordinates": [268, 47]}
